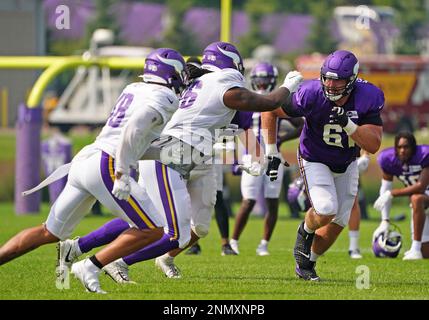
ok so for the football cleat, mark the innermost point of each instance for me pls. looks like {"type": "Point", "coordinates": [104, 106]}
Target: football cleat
{"type": "Point", "coordinates": [118, 271]}
{"type": "Point", "coordinates": [262, 250]}
{"type": "Point", "coordinates": [302, 249]}
{"type": "Point", "coordinates": [87, 273]}
{"type": "Point", "coordinates": [195, 249]}
{"type": "Point", "coordinates": [227, 250]}
{"type": "Point", "coordinates": [234, 245]}
{"type": "Point", "coordinates": [355, 254]}
{"type": "Point", "coordinates": [412, 255]}
{"type": "Point", "coordinates": [166, 265]}
{"type": "Point", "coordinates": [308, 274]}
{"type": "Point", "coordinates": [67, 252]}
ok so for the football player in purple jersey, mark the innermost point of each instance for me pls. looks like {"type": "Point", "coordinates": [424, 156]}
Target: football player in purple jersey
{"type": "Point", "coordinates": [342, 115]}
{"type": "Point", "coordinates": [408, 162]}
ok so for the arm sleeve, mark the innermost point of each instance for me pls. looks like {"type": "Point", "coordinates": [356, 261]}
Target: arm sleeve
{"type": "Point", "coordinates": [375, 98]}
{"type": "Point", "coordinates": [290, 108]}
{"type": "Point", "coordinates": [130, 147]}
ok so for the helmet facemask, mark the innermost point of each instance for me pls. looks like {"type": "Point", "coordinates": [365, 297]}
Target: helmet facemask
{"type": "Point", "coordinates": [339, 65]}
{"type": "Point", "coordinates": [339, 92]}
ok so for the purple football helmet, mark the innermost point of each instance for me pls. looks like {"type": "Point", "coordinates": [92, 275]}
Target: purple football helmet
{"type": "Point", "coordinates": [222, 55]}
{"type": "Point", "coordinates": [165, 66]}
{"type": "Point", "coordinates": [263, 77]}
{"type": "Point", "coordinates": [388, 246]}
{"type": "Point", "coordinates": [296, 195]}
{"type": "Point", "coordinates": [343, 65]}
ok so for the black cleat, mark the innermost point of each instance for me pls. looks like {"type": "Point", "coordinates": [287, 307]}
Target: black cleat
{"type": "Point", "coordinates": [228, 251]}
{"type": "Point", "coordinates": [307, 274]}
{"type": "Point", "coordinates": [302, 248]}
{"type": "Point", "coordinates": [195, 249]}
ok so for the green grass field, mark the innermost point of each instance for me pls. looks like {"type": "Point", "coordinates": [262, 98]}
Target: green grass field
{"type": "Point", "coordinates": [211, 276]}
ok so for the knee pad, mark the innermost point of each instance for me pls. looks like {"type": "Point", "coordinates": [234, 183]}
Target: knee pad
{"type": "Point", "coordinates": [200, 230]}
{"type": "Point", "coordinates": [324, 207]}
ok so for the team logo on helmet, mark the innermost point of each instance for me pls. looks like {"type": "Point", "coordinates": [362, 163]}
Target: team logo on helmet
{"type": "Point", "coordinates": [388, 245]}
{"type": "Point", "coordinates": [341, 64]}
{"type": "Point", "coordinates": [221, 55]}
{"type": "Point", "coordinates": [165, 66]}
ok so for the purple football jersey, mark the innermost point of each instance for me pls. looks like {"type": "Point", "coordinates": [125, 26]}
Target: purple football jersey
{"type": "Point", "coordinates": [243, 119]}
{"type": "Point", "coordinates": [328, 143]}
{"type": "Point", "coordinates": [409, 172]}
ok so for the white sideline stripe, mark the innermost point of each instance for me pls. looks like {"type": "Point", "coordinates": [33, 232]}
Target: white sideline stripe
{"type": "Point", "coordinates": [54, 176]}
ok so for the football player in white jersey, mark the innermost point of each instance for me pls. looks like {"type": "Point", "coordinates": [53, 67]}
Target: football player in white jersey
{"type": "Point", "coordinates": [208, 104]}
{"type": "Point", "coordinates": [101, 170]}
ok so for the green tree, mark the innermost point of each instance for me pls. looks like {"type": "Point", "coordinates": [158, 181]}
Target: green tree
{"type": "Point", "coordinates": [411, 17]}
{"type": "Point", "coordinates": [104, 18]}
{"type": "Point", "coordinates": [176, 35]}
{"type": "Point", "coordinates": [256, 10]}
{"type": "Point", "coordinates": [320, 38]}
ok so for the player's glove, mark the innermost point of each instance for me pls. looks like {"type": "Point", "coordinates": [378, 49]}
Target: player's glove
{"type": "Point", "coordinates": [338, 116]}
{"type": "Point", "coordinates": [292, 81]}
{"type": "Point", "coordinates": [383, 228]}
{"type": "Point", "coordinates": [122, 188]}
{"type": "Point", "coordinates": [254, 168]}
{"type": "Point", "coordinates": [274, 160]}
{"type": "Point", "coordinates": [383, 200]}
{"type": "Point", "coordinates": [363, 163]}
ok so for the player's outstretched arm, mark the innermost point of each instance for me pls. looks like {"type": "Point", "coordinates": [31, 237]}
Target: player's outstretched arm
{"type": "Point", "coordinates": [243, 99]}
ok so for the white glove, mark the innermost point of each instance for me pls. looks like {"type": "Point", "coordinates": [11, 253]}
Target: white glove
{"type": "Point", "coordinates": [122, 188]}
{"type": "Point", "coordinates": [363, 163]}
{"type": "Point", "coordinates": [382, 200]}
{"type": "Point", "coordinates": [254, 168]}
{"type": "Point", "coordinates": [383, 228]}
{"type": "Point", "coordinates": [292, 81]}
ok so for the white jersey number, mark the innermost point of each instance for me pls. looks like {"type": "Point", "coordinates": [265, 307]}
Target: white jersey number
{"type": "Point", "coordinates": [119, 110]}
{"type": "Point", "coordinates": [409, 180]}
{"type": "Point", "coordinates": [331, 136]}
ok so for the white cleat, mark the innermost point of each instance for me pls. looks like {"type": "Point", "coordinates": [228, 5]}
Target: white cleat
{"type": "Point", "coordinates": [166, 264]}
{"type": "Point", "coordinates": [355, 254]}
{"type": "Point", "coordinates": [118, 271]}
{"type": "Point", "coordinates": [413, 255]}
{"type": "Point", "coordinates": [262, 250]}
{"type": "Point", "coordinates": [87, 273]}
{"type": "Point", "coordinates": [234, 245]}
{"type": "Point", "coordinates": [67, 252]}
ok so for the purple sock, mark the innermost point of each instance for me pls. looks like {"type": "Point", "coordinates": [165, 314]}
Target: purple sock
{"type": "Point", "coordinates": [155, 249]}
{"type": "Point", "coordinates": [103, 235]}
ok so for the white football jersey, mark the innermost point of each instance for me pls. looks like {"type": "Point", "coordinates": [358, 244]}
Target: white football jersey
{"type": "Point", "coordinates": [202, 111]}
{"type": "Point", "coordinates": [132, 102]}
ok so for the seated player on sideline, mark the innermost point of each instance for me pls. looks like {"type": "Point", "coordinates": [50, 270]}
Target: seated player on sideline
{"type": "Point", "coordinates": [409, 163]}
